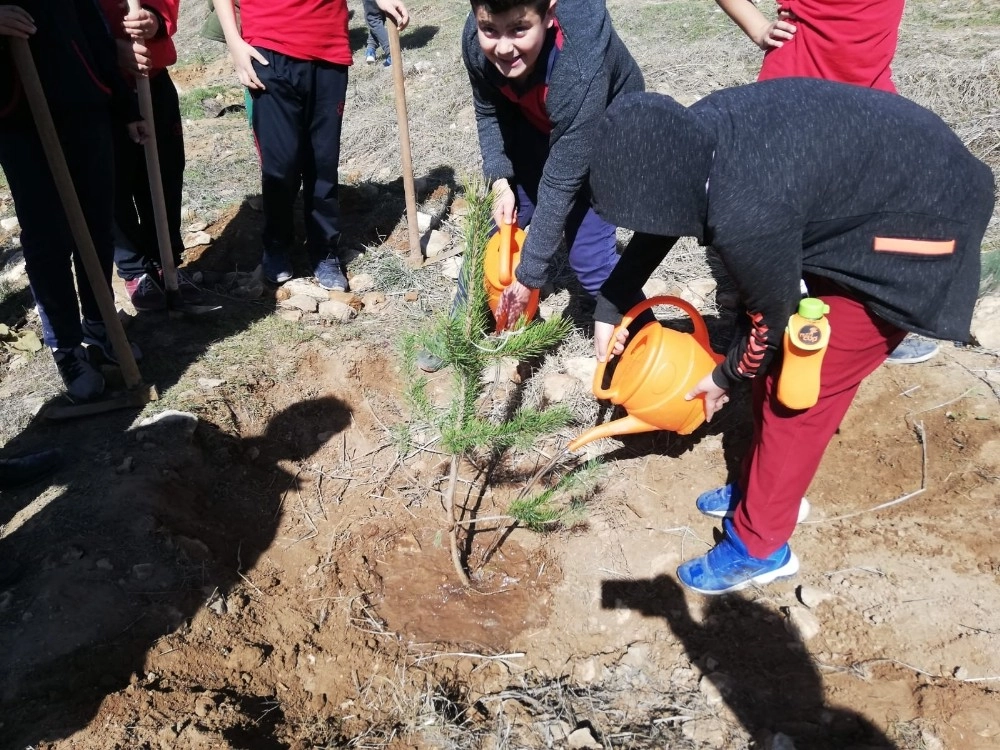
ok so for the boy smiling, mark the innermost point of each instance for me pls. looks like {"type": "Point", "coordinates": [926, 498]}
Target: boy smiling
{"type": "Point", "coordinates": [542, 75]}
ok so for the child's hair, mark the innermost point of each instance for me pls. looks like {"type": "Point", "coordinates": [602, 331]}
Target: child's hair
{"type": "Point", "coordinates": [495, 7]}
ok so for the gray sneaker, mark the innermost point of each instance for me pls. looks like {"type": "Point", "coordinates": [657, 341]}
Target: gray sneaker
{"type": "Point", "coordinates": [82, 381]}
{"type": "Point", "coordinates": [913, 349]}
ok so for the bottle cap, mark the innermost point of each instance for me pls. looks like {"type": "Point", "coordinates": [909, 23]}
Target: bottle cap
{"type": "Point", "coordinates": [813, 308]}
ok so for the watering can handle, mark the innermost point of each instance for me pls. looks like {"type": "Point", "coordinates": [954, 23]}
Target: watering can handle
{"type": "Point", "coordinates": [506, 253]}
{"type": "Point", "coordinates": [700, 335]}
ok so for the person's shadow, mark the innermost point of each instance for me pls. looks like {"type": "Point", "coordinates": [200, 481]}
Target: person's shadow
{"type": "Point", "coordinates": [762, 671]}
{"type": "Point", "coordinates": [88, 588]}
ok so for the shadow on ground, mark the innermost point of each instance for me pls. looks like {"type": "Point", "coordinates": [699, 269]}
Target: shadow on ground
{"type": "Point", "coordinates": [762, 671]}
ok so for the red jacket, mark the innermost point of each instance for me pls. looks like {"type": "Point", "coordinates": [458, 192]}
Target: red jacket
{"type": "Point", "coordinates": [161, 47]}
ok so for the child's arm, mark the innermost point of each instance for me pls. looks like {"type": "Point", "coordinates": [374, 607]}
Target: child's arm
{"type": "Point", "coordinates": [15, 21]}
{"type": "Point", "coordinates": [765, 34]}
{"type": "Point", "coordinates": [242, 53]}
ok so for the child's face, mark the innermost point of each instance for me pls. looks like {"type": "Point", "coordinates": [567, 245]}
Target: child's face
{"type": "Point", "coordinates": [513, 40]}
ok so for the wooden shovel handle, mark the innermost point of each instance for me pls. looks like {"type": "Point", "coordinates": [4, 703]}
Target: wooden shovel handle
{"type": "Point", "coordinates": [399, 88]}
{"type": "Point", "coordinates": [71, 205]}
{"type": "Point", "coordinates": [156, 180]}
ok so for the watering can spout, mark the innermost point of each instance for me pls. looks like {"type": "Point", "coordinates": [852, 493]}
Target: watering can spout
{"type": "Point", "coordinates": [627, 425]}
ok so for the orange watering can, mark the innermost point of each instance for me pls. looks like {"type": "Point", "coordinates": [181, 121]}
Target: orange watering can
{"type": "Point", "coordinates": [503, 253]}
{"type": "Point", "coordinates": [658, 367]}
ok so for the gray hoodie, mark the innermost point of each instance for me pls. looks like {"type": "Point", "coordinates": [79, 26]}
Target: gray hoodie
{"type": "Point", "coordinates": [593, 68]}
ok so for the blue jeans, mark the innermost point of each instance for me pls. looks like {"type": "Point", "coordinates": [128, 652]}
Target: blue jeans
{"type": "Point", "coordinates": [50, 253]}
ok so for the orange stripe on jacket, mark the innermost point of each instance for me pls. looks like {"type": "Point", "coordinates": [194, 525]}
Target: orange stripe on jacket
{"type": "Point", "coordinates": [914, 247]}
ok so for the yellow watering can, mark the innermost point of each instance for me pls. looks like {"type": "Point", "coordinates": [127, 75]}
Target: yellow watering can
{"type": "Point", "coordinates": [503, 253]}
{"type": "Point", "coordinates": [658, 367]}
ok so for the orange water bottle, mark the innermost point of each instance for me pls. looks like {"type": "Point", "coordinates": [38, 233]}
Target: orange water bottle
{"type": "Point", "coordinates": [806, 339]}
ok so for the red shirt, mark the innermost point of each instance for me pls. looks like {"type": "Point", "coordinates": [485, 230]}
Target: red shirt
{"type": "Point", "coordinates": [851, 41]}
{"type": "Point", "coordinates": [303, 29]}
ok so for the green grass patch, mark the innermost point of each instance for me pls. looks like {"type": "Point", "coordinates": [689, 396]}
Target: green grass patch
{"type": "Point", "coordinates": [989, 277]}
{"type": "Point", "coordinates": [684, 20]}
{"type": "Point", "coordinates": [958, 14]}
{"type": "Point", "coordinates": [191, 101]}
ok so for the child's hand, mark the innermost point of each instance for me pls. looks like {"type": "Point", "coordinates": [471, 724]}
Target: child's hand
{"type": "Point", "coordinates": [15, 21]}
{"type": "Point", "coordinates": [396, 10]}
{"type": "Point", "coordinates": [603, 333]}
{"type": "Point", "coordinates": [143, 24]}
{"type": "Point", "coordinates": [715, 397]}
{"type": "Point", "coordinates": [776, 33]}
{"type": "Point", "coordinates": [139, 132]}
{"type": "Point", "coordinates": [504, 204]}
{"type": "Point", "coordinates": [243, 55]}
{"type": "Point", "coordinates": [134, 57]}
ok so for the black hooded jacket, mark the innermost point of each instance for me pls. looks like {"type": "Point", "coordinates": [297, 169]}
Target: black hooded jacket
{"type": "Point", "coordinates": [799, 176]}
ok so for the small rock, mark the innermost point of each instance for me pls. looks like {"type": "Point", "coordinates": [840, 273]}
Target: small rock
{"type": "Point", "coordinates": [715, 687]}
{"type": "Point", "coordinates": [302, 302]}
{"type": "Point", "coordinates": [338, 312]}
{"type": "Point", "coordinates": [172, 418]}
{"type": "Point", "coordinates": [197, 226]}
{"type": "Point", "coordinates": [424, 221]}
{"type": "Point", "coordinates": [583, 738]}
{"type": "Point", "coordinates": [126, 466]}
{"type": "Point", "coordinates": [10, 224]}
{"type": "Point", "coordinates": [705, 732]}
{"type": "Point", "coordinates": [637, 656]}
{"type": "Point", "coordinates": [557, 387]}
{"type": "Point", "coordinates": [250, 290]}
{"type": "Point", "coordinates": [459, 207]}
{"type": "Point", "coordinates": [348, 298]}
{"type": "Point", "coordinates": [253, 453]}
{"type": "Point", "coordinates": [292, 316]}
{"type": "Point", "coordinates": [657, 287]}
{"type": "Point", "coordinates": [104, 564]}
{"type": "Point", "coordinates": [435, 242]}
{"type": "Point", "coordinates": [142, 571]}
{"type": "Point", "coordinates": [295, 287]}
{"type": "Point", "coordinates": [373, 301]}
{"type": "Point", "coordinates": [194, 239]}
{"type": "Point", "coordinates": [210, 383]}
{"type": "Point", "coordinates": [986, 322]}
{"type": "Point", "coordinates": [362, 282]}
{"type": "Point", "coordinates": [411, 296]}
{"type": "Point", "coordinates": [198, 277]}
{"type": "Point", "coordinates": [203, 706]}
{"type": "Point", "coordinates": [780, 741]}
{"type": "Point", "coordinates": [802, 622]}
{"type": "Point", "coordinates": [281, 294]}
{"type": "Point", "coordinates": [582, 368]}
{"type": "Point", "coordinates": [812, 597]}
{"type": "Point", "coordinates": [218, 605]}
{"type": "Point", "coordinates": [323, 437]}
{"type": "Point", "coordinates": [452, 268]}
{"type": "Point", "coordinates": [931, 741]}
{"type": "Point", "coordinates": [698, 291]}
{"type": "Point", "coordinates": [960, 673]}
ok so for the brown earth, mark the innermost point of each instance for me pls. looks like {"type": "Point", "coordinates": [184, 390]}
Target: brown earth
{"type": "Point", "coordinates": [279, 577]}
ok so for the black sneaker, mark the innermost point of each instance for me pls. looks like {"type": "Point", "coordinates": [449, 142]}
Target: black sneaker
{"type": "Point", "coordinates": [95, 333]}
{"type": "Point", "coordinates": [277, 267]}
{"type": "Point", "coordinates": [82, 381]}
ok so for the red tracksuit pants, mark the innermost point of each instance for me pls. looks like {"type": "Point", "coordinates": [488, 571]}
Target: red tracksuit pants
{"type": "Point", "coordinates": [787, 445]}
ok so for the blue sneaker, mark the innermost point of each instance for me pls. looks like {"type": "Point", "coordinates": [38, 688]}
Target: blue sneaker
{"type": "Point", "coordinates": [330, 275]}
{"type": "Point", "coordinates": [913, 349]}
{"type": "Point", "coordinates": [370, 55]}
{"type": "Point", "coordinates": [387, 63]}
{"type": "Point", "coordinates": [729, 567]}
{"type": "Point", "coordinates": [722, 501]}
{"type": "Point", "coordinates": [276, 266]}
